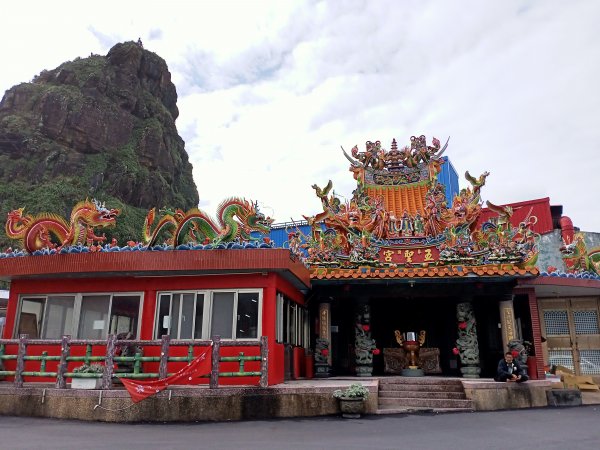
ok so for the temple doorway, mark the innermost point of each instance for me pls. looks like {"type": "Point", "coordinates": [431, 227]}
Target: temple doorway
{"type": "Point", "coordinates": [436, 316]}
{"type": "Point", "coordinates": [427, 306]}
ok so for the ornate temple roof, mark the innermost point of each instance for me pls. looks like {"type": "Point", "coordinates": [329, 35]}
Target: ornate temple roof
{"type": "Point", "coordinates": [399, 222]}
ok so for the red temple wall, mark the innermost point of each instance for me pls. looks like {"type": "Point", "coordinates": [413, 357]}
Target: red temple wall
{"type": "Point", "coordinates": [270, 283]}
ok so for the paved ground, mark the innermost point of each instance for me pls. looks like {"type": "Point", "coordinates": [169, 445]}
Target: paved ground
{"type": "Point", "coordinates": [547, 429]}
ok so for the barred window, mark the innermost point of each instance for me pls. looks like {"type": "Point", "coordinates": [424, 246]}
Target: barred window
{"type": "Point", "coordinates": [556, 322]}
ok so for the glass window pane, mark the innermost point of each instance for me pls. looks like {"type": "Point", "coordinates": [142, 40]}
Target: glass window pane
{"type": "Point", "coordinates": [164, 305]}
{"type": "Point", "coordinates": [58, 317]}
{"type": "Point", "coordinates": [93, 319]}
{"type": "Point", "coordinates": [175, 316]}
{"type": "Point", "coordinates": [293, 323]}
{"type": "Point", "coordinates": [199, 316]}
{"type": "Point", "coordinates": [124, 314]}
{"type": "Point", "coordinates": [247, 315]}
{"type": "Point", "coordinates": [222, 314]}
{"type": "Point", "coordinates": [279, 318]}
{"type": "Point", "coordinates": [187, 316]}
{"type": "Point", "coordinates": [30, 320]}
{"type": "Point", "coordinates": [286, 322]}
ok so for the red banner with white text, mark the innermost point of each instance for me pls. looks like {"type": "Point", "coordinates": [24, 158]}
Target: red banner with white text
{"type": "Point", "coordinates": [190, 374]}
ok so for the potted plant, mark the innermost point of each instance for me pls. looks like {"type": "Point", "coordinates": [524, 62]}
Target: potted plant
{"type": "Point", "coordinates": [90, 380]}
{"type": "Point", "coordinates": [352, 400]}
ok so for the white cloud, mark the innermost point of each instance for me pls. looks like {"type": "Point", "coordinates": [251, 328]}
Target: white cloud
{"type": "Point", "coordinates": [268, 91]}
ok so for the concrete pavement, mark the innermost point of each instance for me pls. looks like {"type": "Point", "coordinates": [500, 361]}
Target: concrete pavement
{"type": "Point", "coordinates": [545, 428]}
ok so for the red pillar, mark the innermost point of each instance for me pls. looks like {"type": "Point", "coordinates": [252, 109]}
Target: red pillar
{"type": "Point", "coordinates": [11, 311]}
{"type": "Point", "coordinates": [148, 315]}
{"type": "Point", "coordinates": [537, 332]}
{"type": "Point", "coordinates": [268, 329]}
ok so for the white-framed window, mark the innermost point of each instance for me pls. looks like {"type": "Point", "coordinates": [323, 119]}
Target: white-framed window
{"type": "Point", "coordinates": [293, 324]}
{"type": "Point", "coordinates": [180, 315]}
{"type": "Point", "coordinates": [82, 316]}
{"type": "Point", "coordinates": [228, 313]}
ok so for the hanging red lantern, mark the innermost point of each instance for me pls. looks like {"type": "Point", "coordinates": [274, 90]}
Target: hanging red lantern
{"type": "Point", "coordinates": [366, 328]}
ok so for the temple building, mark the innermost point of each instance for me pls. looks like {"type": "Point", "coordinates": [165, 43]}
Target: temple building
{"type": "Point", "coordinates": [410, 276]}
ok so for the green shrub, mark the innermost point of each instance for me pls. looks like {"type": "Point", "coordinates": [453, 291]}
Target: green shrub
{"type": "Point", "coordinates": [355, 390]}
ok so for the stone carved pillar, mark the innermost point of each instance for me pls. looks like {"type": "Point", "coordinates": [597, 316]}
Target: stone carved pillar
{"type": "Point", "coordinates": [322, 347]}
{"type": "Point", "coordinates": [467, 344]}
{"type": "Point", "coordinates": [364, 345]}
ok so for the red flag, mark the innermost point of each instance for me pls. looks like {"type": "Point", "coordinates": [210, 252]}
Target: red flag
{"type": "Point", "coordinates": [190, 374]}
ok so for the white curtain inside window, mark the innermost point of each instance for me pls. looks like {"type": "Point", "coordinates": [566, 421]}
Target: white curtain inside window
{"type": "Point", "coordinates": [58, 318]}
{"type": "Point", "coordinates": [93, 319]}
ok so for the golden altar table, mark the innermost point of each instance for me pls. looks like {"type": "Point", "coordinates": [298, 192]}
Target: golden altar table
{"type": "Point", "coordinates": [395, 360]}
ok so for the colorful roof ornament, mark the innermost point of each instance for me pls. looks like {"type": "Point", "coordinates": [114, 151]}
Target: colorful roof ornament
{"type": "Point", "coordinates": [237, 218]}
{"type": "Point", "coordinates": [48, 234]}
{"type": "Point", "coordinates": [50, 231]}
{"type": "Point", "coordinates": [577, 258]}
{"type": "Point", "coordinates": [398, 217]}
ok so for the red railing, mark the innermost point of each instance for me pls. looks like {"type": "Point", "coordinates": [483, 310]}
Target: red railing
{"type": "Point", "coordinates": [55, 358]}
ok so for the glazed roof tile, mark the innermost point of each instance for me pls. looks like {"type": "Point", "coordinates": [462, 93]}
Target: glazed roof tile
{"type": "Point", "coordinates": [421, 272]}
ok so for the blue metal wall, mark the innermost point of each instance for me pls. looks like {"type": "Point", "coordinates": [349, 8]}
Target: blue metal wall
{"type": "Point", "coordinates": [449, 178]}
{"type": "Point", "coordinates": [279, 235]}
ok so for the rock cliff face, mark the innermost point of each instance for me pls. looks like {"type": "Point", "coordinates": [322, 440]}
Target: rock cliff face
{"type": "Point", "coordinates": [101, 127]}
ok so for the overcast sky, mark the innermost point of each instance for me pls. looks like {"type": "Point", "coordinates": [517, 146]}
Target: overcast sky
{"type": "Point", "coordinates": [269, 91]}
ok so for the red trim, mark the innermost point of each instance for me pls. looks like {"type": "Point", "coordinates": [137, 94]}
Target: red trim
{"type": "Point", "coordinates": [268, 329]}
{"type": "Point", "coordinates": [148, 315]}
{"type": "Point", "coordinates": [560, 281]}
{"type": "Point", "coordinates": [167, 262]}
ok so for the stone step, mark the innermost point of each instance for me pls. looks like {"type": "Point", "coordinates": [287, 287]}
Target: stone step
{"type": "Point", "coordinates": [417, 410]}
{"type": "Point", "coordinates": [424, 403]}
{"type": "Point", "coordinates": [421, 387]}
{"type": "Point", "coordinates": [422, 394]}
{"type": "Point", "coordinates": [419, 380]}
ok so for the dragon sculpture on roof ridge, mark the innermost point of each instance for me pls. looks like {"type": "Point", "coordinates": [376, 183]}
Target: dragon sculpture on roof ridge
{"type": "Point", "coordinates": [237, 218]}
{"type": "Point", "coordinates": [47, 230]}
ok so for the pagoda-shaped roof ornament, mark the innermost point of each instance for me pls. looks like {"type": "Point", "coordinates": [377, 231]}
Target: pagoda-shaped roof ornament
{"type": "Point", "coordinates": [399, 216]}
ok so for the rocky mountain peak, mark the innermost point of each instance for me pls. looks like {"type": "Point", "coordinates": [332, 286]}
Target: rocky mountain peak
{"type": "Point", "coordinates": [101, 126]}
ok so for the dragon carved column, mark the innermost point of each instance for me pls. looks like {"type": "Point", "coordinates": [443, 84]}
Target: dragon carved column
{"type": "Point", "coordinates": [364, 345]}
{"type": "Point", "coordinates": [467, 344]}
